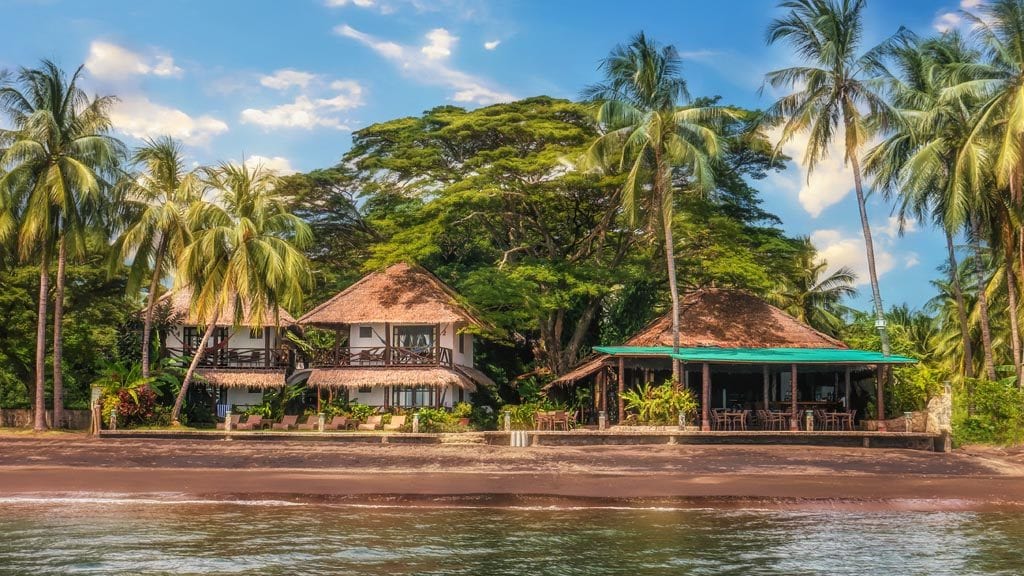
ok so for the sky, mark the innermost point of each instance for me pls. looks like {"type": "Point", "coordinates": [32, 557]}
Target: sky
{"type": "Point", "coordinates": [286, 83]}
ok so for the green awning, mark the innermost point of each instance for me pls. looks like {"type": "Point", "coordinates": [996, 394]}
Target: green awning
{"type": "Point", "coordinates": [760, 355]}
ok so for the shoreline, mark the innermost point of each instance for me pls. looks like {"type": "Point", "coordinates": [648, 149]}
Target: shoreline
{"type": "Point", "coordinates": [658, 476]}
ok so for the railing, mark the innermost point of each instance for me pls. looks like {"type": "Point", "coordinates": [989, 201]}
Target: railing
{"type": "Point", "coordinates": [235, 358]}
{"type": "Point", "coordinates": [381, 356]}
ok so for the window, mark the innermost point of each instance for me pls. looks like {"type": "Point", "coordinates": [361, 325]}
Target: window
{"type": "Point", "coordinates": [254, 390]}
{"type": "Point", "coordinates": [419, 338]}
{"type": "Point", "coordinates": [365, 389]}
{"type": "Point", "coordinates": [462, 343]}
{"type": "Point", "coordinates": [412, 397]}
{"type": "Point", "coordinates": [366, 332]}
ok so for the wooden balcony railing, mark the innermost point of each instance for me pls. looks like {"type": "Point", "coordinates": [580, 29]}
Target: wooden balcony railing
{"type": "Point", "coordinates": [235, 358]}
{"type": "Point", "coordinates": [381, 356]}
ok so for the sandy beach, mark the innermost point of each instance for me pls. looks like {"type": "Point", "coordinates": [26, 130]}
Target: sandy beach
{"type": "Point", "coordinates": [478, 474]}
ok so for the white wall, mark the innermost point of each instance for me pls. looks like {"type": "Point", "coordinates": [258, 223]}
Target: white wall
{"type": "Point", "coordinates": [238, 338]}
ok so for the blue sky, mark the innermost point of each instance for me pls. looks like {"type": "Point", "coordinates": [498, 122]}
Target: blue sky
{"type": "Point", "coordinates": [287, 82]}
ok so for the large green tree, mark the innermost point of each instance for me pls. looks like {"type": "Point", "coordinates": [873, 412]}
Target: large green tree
{"type": "Point", "coordinates": [814, 297]}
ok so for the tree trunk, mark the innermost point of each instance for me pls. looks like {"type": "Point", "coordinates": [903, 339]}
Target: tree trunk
{"type": "Point", "coordinates": [961, 308]}
{"type": "Point", "coordinates": [44, 293]}
{"type": "Point", "coordinates": [986, 329]}
{"type": "Point", "coordinates": [1011, 295]}
{"type": "Point", "coordinates": [147, 324]}
{"type": "Point", "coordinates": [869, 247]}
{"type": "Point", "coordinates": [663, 195]}
{"type": "Point", "coordinates": [58, 337]}
{"type": "Point", "coordinates": [198, 354]}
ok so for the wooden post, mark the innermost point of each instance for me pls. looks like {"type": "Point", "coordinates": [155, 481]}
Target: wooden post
{"type": "Point", "coordinates": [794, 423]}
{"type": "Point", "coordinates": [387, 343]}
{"type": "Point", "coordinates": [337, 348]}
{"type": "Point", "coordinates": [604, 390]}
{"type": "Point", "coordinates": [846, 392]}
{"type": "Point", "coordinates": [880, 397]}
{"type": "Point", "coordinates": [622, 388]}
{"type": "Point", "coordinates": [705, 397]}
{"type": "Point", "coordinates": [677, 368]}
{"type": "Point", "coordinates": [266, 346]}
{"type": "Point", "coordinates": [437, 344]}
{"type": "Point", "coordinates": [767, 377]}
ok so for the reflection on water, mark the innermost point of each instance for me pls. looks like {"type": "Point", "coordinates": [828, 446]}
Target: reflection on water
{"type": "Point", "coordinates": [90, 536]}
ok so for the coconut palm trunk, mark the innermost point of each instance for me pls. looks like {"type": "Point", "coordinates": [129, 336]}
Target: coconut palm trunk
{"type": "Point", "coordinates": [44, 293]}
{"type": "Point", "coordinates": [961, 308]}
{"type": "Point", "coordinates": [986, 328]}
{"type": "Point", "coordinates": [147, 324]}
{"type": "Point", "coordinates": [190, 374]}
{"type": "Point", "coordinates": [58, 336]}
{"type": "Point", "coordinates": [664, 194]}
{"type": "Point", "coordinates": [1011, 296]}
{"type": "Point", "coordinates": [869, 247]}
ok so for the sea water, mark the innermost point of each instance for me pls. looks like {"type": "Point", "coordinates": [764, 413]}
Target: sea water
{"type": "Point", "coordinates": [104, 535]}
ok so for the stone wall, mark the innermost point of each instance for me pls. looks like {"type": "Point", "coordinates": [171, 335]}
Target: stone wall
{"type": "Point", "coordinates": [918, 423]}
{"type": "Point", "coordinates": [22, 418]}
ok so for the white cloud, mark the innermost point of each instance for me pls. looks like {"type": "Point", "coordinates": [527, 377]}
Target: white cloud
{"type": "Point", "coordinates": [911, 260]}
{"type": "Point", "coordinates": [491, 45]}
{"type": "Point", "coordinates": [142, 118]}
{"type": "Point", "coordinates": [428, 65]}
{"type": "Point", "coordinates": [276, 164]}
{"type": "Point", "coordinates": [107, 60]}
{"type": "Point", "coordinates": [829, 182]}
{"type": "Point", "coordinates": [302, 113]}
{"type": "Point", "coordinates": [699, 54]}
{"type": "Point", "coordinates": [891, 228]}
{"type": "Point", "coordinates": [286, 78]}
{"type": "Point", "coordinates": [840, 250]}
{"type": "Point", "coordinates": [946, 21]}
{"type": "Point", "coordinates": [340, 3]}
{"type": "Point", "coordinates": [439, 44]}
{"type": "Point", "coordinates": [968, 4]}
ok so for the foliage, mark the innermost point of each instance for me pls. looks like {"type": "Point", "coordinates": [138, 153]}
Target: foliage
{"type": "Point", "coordinates": [462, 410]}
{"type": "Point", "coordinates": [987, 411]}
{"type": "Point", "coordinates": [661, 404]}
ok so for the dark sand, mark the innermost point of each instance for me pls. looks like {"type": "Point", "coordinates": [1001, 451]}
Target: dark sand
{"type": "Point", "coordinates": [784, 476]}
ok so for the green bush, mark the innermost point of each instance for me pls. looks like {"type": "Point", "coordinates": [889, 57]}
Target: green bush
{"type": "Point", "coordinates": [660, 405]}
{"type": "Point", "coordinates": [986, 411]}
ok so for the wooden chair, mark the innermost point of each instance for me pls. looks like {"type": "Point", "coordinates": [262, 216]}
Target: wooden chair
{"type": "Point", "coordinates": [718, 420]}
{"type": "Point", "coordinates": [559, 420]}
{"type": "Point", "coordinates": [396, 423]}
{"type": "Point", "coordinates": [235, 419]}
{"type": "Point", "coordinates": [254, 422]}
{"type": "Point", "coordinates": [311, 423]}
{"type": "Point", "coordinates": [542, 420]}
{"type": "Point", "coordinates": [372, 423]}
{"type": "Point", "coordinates": [288, 421]}
{"type": "Point", "coordinates": [844, 420]}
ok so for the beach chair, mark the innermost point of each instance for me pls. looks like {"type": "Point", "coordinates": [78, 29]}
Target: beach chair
{"type": "Point", "coordinates": [254, 422]}
{"type": "Point", "coordinates": [396, 423]}
{"type": "Point", "coordinates": [339, 423]}
{"type": "Point", "coordinates": [311, 423]}
{"type": "Point", "coordinates": [288, 421]}
{"type": "Point", "coordinates": [235, 419]}
{"type": "Point", "coordinates": [372, 423]}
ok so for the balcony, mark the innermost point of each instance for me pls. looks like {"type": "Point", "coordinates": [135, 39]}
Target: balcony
{"type": "Point", "coordinates": [236, 358]}
{"type": "Point", "coordinates": [382, 356]}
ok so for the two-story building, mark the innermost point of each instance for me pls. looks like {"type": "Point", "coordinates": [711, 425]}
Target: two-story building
{"type": "Point", "coordinates": [401, 339]}
{"type": "Point", "coordinates": [240, 361]}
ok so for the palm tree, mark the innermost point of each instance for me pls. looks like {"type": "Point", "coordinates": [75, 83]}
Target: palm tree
{"type": "Point", "coordinates": [650, 133]}
{"type": "Point", "coordinates": [829, 96]}
{"type": "Point", "coordinates": [925, 161]}
{"type": "Point", "coordinates": [813, 299]}
{"type": "Point", "coordinates": [57, 153]}
{"type": "Point", "coordinates": [157, 200]}
{"type": "Point", "coordinates": [245, 257]}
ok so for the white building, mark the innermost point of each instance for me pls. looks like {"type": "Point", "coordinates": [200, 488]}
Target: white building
{"type": "Point", "coordinates": [402, 340]}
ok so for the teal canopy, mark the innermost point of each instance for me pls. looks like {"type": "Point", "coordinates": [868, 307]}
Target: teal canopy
{"type": "Point", "coordinates": [760, 355]}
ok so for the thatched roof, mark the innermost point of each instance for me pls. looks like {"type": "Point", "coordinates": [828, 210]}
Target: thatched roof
{"type": "Point", "coordinates": [720, 318]}
{"type": "Point", "coordinates": [244, 378]}
{"type": "Point", "coordinates": [358, 377]}
{"type": "Point", "coordinates": [179, 304]}
{"type": "Point", "coordinates": [400, 294]}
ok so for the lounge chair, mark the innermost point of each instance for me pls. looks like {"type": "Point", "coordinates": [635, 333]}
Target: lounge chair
{"type": "Point", "coordinates": [372, 423]}
{"type": "Point", "coordinates": [311, 423]}
{"type": "Point", "coordinates": [254, 422]}
{"type": "Point", "coordinates": [235, 419]}
{"type": "Point", "coordinates": [396, 423]}
{"type": "Point", "coordinates": [288, 421]}
{"type": "Point", "coordinates": [339, 423]}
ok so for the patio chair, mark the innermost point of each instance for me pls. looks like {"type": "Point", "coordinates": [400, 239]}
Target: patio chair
{"type": "Point", "coordinates": [543, 420]}
{"type": "Point", "coordinates": [311, 423]}
{"type": "Point", "coordinates": [235, 419]}
{"type": "Point", "coordinates": [340, 423]}
{"type": "Point", "coordinates": [718, 421]}
{"type": "Point", "coordinates": [288, 421]}
{"type": "Point", "coordinates": [559, 420]}
{"type": "Point", "coordinates": [844, 420]}
{"type": "Point", "coordinates": [396, 423]}
{"type": "Point", "coordinates": [372, 423]}
{"type": "Point", "coordinates": [254, 422]}
{"type": "Point", "coordinates": [830, 420]}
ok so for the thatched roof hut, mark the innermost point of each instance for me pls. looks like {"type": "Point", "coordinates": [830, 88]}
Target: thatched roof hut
{"type": "Point", "coordinates": [720, 318]}
{"type": "Point", "coordinates": [178, 304]}
{"type": "Point", "coordinates": [402, 293]}
{"type": "Point", "coordinates": [244, 378]}
{"type": "Point", "coordinates": [437, 377]}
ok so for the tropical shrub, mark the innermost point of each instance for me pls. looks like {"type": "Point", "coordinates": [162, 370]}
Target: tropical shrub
{"type": "Point", "coordinates": [660, 405]}
{"type": "Point", "coordinates": [524, 416]}
{"type": "Point", "coordinates": [462, 410]}
{"type": "Point", "coordinates": [135, 407]}
{"type": "Point", "coordinates": [987, 411]}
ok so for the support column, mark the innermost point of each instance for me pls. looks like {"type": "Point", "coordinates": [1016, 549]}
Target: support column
{"type": "Point", "coordinates": [387, 343]}
{"type": "Point", "coordinates": [767, 377]}
{"type": "Point", "coordinates": [677, 368]}
{"type": "Point", "coordinates": [337, 348]}
{"type": "Point", "coordinates": [880, 396]}
{"type": "Point", "coordinates": [266, 347]}
{"type": "Point", "coordinates": [794, 421]}
{"type": "Point", "coordinates": [705, 397]}
{"type": "Point", "coordinates": [622, 388]}
{"type": "Point", "coordinates": [602, 392]}
{"type": "Point", "coordinates": [437, 345]}
{"type": "Point", "coordinates": [846, 391]}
